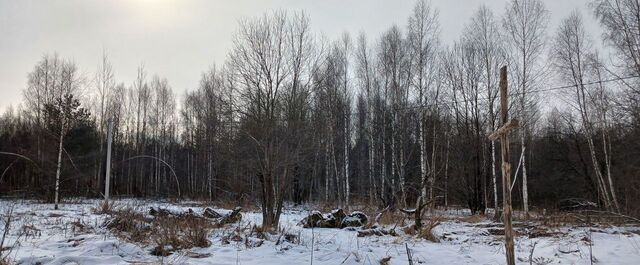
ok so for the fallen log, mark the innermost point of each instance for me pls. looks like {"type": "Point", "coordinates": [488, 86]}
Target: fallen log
{"type": "Point", "coordinates": [377, 232]}
{"type": "Point", "coordinates": [210, 213]}
{"type": "Point", "coordinates": [232, 217]}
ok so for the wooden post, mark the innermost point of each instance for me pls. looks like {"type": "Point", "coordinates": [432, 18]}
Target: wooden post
{"type": "Point", "coordinates": [503, 134]}
{"type": "Point", "coordinates": [108, 164]}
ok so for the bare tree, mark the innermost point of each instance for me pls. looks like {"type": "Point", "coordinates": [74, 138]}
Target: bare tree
{"type": "Point", "coordinates": [365, 76]}
{"type": "Point", "coordinates": [525, 23]}
{"type": "Point", "coordinates": [262, 60]}
{"type": "Point", "coordinates": [141, 100]}
{"type": "Point", "coordinates": [395, 70]}
{"type": "Point", "coordinates": [64, 112]}
{"type": "Point", "coordinates": [423, 30]}
{"type": "Point", "coordinates": [572, 52]}
{"type": "Point", "coordinates": [463, 71]}
{"type": "Point", "coordinates": [104, 82]}
{"type": "Point", "coordinates": [484, 32]}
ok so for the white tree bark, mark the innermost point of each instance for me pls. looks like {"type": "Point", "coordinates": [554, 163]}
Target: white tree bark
{"type": "Point", "coordinates": [393, 154]}
{"type": "Point", "coordinates": [493, 176]}
{"type": "Point", "coordinates": [423, 147]}
{"type": "Point", "coordinates": [57, 192]}
{"type": "Point", "coordinates": [525, 192]}
{"type": "Point", "coordinates": [326, 171]}
{"type": "Point", "coordinates": [383, 174]}
{"type": "Point", "coordinates": [606, 144]}
{"type": "Point", "coordinates": [346, 159]}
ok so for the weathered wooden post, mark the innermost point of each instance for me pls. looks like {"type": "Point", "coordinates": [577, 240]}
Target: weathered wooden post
{"type": "Point", "coordinates": [503, 134]}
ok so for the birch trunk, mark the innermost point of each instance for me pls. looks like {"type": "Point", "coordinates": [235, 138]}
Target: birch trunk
{"type": "Point", "coordinates": [493, 175]}
{"type": "Point", "coordinates": [606, 147]}
{"type": "Point", "coordinates": [423, 147]}
{"type": "Point", "coordinates": [383, 174]}
{"type": "Point", "coordinates": [336, 173]}
{"type": "Point", "coordinates": [432, 174]}
{"type": "Point", "coordinates": [401, 177]}
{"type": "Point", "coordinates": [393, 154]}
{"type": "Point", "coordinates": [57, 192]}
{"type": "Point", "coordinates": [446, 174]}
{"type": "Point", "coordinates": [372, 188]}
{"type": "Point", "coordinates": [346, 160]}
{"type": "Point", "coordinates": [525, 193]}
{"type": "Point", "coordinates": [326, 172]}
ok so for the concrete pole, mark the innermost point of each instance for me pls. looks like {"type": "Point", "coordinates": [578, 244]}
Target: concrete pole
{"type": "Point", "coordinates": [108, 165]}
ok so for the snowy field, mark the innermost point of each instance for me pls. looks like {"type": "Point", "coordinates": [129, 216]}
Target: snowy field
{"type": "Point", "coordinates": [76, 235]}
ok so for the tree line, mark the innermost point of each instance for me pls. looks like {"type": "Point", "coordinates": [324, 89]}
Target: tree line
{"type": "Point", "coordinates": [294, 116]}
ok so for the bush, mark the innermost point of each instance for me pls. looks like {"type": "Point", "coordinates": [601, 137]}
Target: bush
{"type": "Point", "coordinates": [167, 232]}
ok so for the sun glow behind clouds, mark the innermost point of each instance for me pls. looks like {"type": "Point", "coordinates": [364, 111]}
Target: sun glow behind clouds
{"type": "Point", "coordinates": [157, 14]}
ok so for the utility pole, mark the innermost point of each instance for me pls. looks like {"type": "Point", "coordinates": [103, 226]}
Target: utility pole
{"type": "Point", "coordinates": [503, 134]}
{"type": "Point", "coordinates": [108, 164]}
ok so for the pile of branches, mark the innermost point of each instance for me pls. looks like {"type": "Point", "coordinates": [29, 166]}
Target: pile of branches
{"type": "Point", "coordinates": [166, 230]}
{"type": "Point", "coordinates": [335, 219]}
{"type": "Point", "coordinates": [219, 220]}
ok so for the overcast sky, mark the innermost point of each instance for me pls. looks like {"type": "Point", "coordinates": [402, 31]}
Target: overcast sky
{"type": "Point", "coordinates": [180, 39]}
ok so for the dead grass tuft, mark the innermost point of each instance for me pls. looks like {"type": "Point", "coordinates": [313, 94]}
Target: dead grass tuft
{"type": "Point", "coordinates": [473, 219]}
{"type": "Point", "coordinates": [393, 218]}
{"type": "Point", "coordinates": [105, 207]}
{"type": "Point", "coordinates": [167, 233]}
{"type": "Point", "coordinates": [78, 227]}
{"type": "Point", "coordinates": [427, 231]}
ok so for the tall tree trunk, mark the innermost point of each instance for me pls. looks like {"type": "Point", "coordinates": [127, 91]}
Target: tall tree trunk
{"type": "Point", "coordinates": [423, 150]}
{"type": "Point", "coordinates": [57, 192]}
{"type": "Point", "coordinates": [346, 159]}
{"type": "Point", "coordinates": [393, 154]}
{"type": "Point", "coordinates": [493, 176]}
{"type": "Point", "coordinates": [326, 171]}
{"type": "Point", "coordinates": [525, 192]}
{"type": "Point", "coordinates": [383, 174]}
{"type": "Point", "coordinates": [432, 174]}
{"type": "Point", "coordinates": [606, 147]}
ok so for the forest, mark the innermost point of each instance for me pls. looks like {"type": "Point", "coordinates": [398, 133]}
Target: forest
{"type": "Point", "coordinates": [293, 116]}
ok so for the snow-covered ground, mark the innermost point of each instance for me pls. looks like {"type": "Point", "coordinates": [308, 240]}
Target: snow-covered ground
{"type": "Point", "coordinates": [75, 235]}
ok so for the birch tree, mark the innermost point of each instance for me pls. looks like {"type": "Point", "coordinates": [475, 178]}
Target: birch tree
{"type": "Point", "coordinates": [423, 31]}
{"type": "Point", "coordinates": [484, 32]}
{"type": "Point", "coordinates": [573, 53]}
{"type": "Point", "coordinates": [525, 23]}
{"type": "Point", "coordinates": [395, 70]}
{"type": "Point", "coordinates": [63, 113]}
{"type": "Point", "coordinates": [104, 83]}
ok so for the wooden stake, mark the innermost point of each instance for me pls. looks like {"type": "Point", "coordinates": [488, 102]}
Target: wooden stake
{"type": "Point", "coordinates": [503, 134]}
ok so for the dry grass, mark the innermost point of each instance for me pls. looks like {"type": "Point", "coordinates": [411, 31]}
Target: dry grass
{"type": "Point", "coordinates": [581, 218]}
{"type": "Point", "coordinates": [105, 208]}
{"type": "Point", "coordinates": [393, 218]}
{"type": "Point", "coordinates": [167, 233]}
{"type": "Point", "coordinates": [78, 227]}
{"type": "Point", "coordinates": [175, 233]}
{"type": "Point", "coordinates": [474, 219]}
{"type": "Point", "coordinates": [427, 231]}
{"type": "Point", "coordinates": [130, 225]}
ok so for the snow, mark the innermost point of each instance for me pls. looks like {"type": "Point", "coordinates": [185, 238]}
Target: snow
{"type": "Point", "coordinates": [75, 235]}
